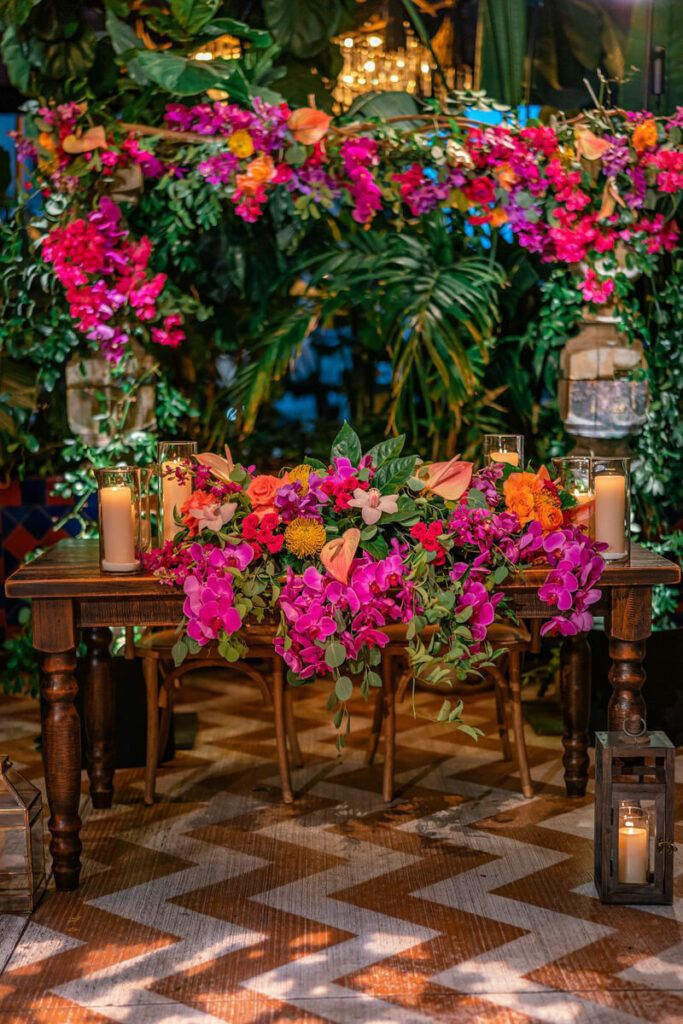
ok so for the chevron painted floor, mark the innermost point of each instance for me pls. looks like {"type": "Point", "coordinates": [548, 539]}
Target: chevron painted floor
{"type": "Point", "coordinates": [460, 902]}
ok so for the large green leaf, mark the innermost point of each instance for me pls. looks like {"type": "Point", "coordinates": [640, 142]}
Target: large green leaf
{"type": "Point", "coordinates": [15, 59]}
{"type": "Point", "coordinates": [303, 27]}
{"type": "Point", "coordinates": [384, 104]}
{"type": "Point", "coordinates": [193, 15]}
{"type": "Point", "coordinates": [185, 77]}
{"type": "Point", "coordinates": [15, 12]}
{"type": "Point", "coordinates": [503, 49]}
{"type": "Point", "coordinates": [231, 27]}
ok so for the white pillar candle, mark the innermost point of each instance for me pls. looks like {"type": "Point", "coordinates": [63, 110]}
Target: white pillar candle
{"type": "Point", "coordinates": [175, 493]}
{"type": "Point", "coordinates": [118, 529]}
{"type": "Point", "coordinates": [633, 855]}
{"type": "Point", "coordinates": [610, 510]}
{"type": "Point", "coordinates": [512, 458]}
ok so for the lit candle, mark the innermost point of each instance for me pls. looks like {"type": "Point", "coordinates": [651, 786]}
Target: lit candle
{"type": "Point", "coordinates": [610, 510]}
{"type": "Point", "coordinates": [512, 458]}
{"type": "Point", "coordinates": [118, 529]}
{"type": "Point", "coordinates": [633, 854]}
{"type": "Point", "coordinates": [175, 493]}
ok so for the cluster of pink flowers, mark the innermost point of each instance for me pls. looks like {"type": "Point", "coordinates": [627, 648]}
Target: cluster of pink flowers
{"type": "Point", "coordinates": [108, 286]}
{"type": "Point", "coordinates": [209, 588]}
{"type": "Point", "coordinates": [319, 609]}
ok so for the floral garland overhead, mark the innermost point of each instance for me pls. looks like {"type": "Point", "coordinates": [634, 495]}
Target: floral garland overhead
{"type": "Point", "coordinates": [336, 553]}
{"type": "Point", "coordinates": [597, 194]}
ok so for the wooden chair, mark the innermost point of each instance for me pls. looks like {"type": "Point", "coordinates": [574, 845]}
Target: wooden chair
{"type": "Point", "coordinates": [508, 695]}
{"type": "Point", "coordinates": [161, 678]}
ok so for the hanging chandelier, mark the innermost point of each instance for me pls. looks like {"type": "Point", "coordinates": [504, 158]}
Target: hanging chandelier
{"type": "Point", "coordinates": [370, 66]}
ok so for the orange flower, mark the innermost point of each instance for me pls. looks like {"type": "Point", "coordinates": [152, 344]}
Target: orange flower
{"type": "Point", "coordinates": [506, 176]}
{"type": "Point", "coordinates": [590, 146]}
{"type": "Point", "coordinates": [258, 173]}
{"type": "Point", "coordinates": [196, 501]}
{"type": "Point", "coordinates": [449, 480]}
{"type": "Point", "coordinates": [529, 497]}
{"type": "Point", "coordinates": [519, 496]}
{"type": "Point", "coordinates": [548, 511]}
{"type": "Point", "coordinates": [498, 217]}
{"type": "Point", "coordinates": [308, 125]}
{"type": "Point", "coordinates": [261, 493]}
{"type": "Point", "coordinates": [645, 136]}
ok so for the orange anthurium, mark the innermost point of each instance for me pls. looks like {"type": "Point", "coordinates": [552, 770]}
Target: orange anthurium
{"type": "Point", "coordinates": [93, 138]}
{"type": "Point", "coordinates": [220, 468]}
{"type": "Point", "coordinates": [308, 125]}
{"type": "Point", "coordinates": [338, 554]}
{"type": "Point", "coordinates": [449, 479]}
{"type": "Point", "coordinates": [589, 145]}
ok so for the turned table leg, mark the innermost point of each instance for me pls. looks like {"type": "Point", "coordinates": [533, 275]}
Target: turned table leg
{"type": "Point", "coordinates": [53, 637]}
{"type": "Point", "coordinates": [575, 677]}
{"type": "Point", "coordinates": [630, 625]}
{"type": "Point", "coordinates": [279, 684]}
{"type": "Point", "coordinates": [98, 710]}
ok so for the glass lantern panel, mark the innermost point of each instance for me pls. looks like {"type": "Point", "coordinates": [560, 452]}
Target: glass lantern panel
{"type": "Point", "coordinates": [13, 860]}
{"type": "Point", "coordinates": [634, 845]}
{"type": "Point", "coordinates": [38, 848]}
{"type": "Point", "coordinates": [25, 790]}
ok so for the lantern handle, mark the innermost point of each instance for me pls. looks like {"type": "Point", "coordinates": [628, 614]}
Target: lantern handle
{"type": "Point", "coordinates": [6, 763]}
{"type": "Point", "coordinates": [634, 735]}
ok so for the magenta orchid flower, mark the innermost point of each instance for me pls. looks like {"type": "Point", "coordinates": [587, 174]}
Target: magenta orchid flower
{"type": "Point", "coordinates": [372, 504]}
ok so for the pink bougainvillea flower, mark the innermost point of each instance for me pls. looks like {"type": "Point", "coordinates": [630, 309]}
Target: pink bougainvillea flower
{"type": "Point", "coordinates": [308, 125]}
{"type": "Point", "coordinates": [373, 503]}
{"type": "Point", "coordinates": [338, 554]}
{"type": "Point", "coordinates": [219, 467]}
{"type": "Point", "coordinates": [449, 480]}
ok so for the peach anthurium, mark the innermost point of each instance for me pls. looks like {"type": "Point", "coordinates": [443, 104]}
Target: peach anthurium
{"type": "Point", "coordinates": [220, 468]}
{"type": "Point", "coordinates": [308, 125]}
{"type": "Point", "coordinates": [93, 138]}
{"type": "Point", "coordinates": [449, 480]}
{"type": "Point", "coordinates": [338, 554]}
{"type": "Point", "coordinates": [588, 145]}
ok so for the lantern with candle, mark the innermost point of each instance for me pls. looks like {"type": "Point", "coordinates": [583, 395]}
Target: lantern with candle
{"type": "Point", "coordinates": [507, 448]}
{"type": "Point", "coordinates": [574, 473]}
{"type": "Point", "coordinates": [120, 493]}
{"type": "Point", "coordinates": [610, 483]}
{"type": "Point", "coordinates": [634, 815]}
{"type": "Point", "coordinates": [175, 460]}
{"type": "Point", "coordinates": [22, 854]}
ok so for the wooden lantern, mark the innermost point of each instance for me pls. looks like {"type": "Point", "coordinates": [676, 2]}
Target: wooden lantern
{"type": "Point", "coordinates": [22, 852]}
{"type": "Point", "coordinates": [634, 816]}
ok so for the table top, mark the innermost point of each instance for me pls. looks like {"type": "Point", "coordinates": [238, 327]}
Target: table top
{"type": "Point", "coordinates": [71, 569]}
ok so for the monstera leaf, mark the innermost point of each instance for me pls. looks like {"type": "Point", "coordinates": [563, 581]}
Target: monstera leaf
{"type": "Point", "coordinates": [193, 15]}
{"type": "Point", "coordinates": [185, 77]}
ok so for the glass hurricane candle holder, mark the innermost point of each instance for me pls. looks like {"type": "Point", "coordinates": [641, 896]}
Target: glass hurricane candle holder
{"type": "Point", "coordinates": [175, 459]}
{"type": "Point", "coordinates": [574, 473]}
{"type": "Point", "coordinates": [119, 518]}
{"type": "Point", "coordinates": [504, 448]}
{"type": "Point", "coordinates": [611, 485]}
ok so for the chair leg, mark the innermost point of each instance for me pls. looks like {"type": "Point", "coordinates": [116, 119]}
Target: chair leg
{"type": "Point", "coordinates": [280, 731]}
{"type": "Point", "coordinates": [290, 725]}
{"type": "Point", "coordinates": [149, 669]}
{"type": "Point", "coordinates": [518, 723]}
{"type": "Point", "coordinates": [166, 719]}
{"type": "Point", "coordinates": [500, 689]}
{"type": "Point", "coordinates": [389, 702]}
{"type": "Point", "coordinates": [376, 728]}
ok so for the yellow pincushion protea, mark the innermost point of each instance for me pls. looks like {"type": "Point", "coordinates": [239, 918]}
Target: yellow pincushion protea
{"type": "Point", "coordinates": [305, 537]}
{"type": "Point", "coordinates": [300, 473]}
{"type": "Point", "coordinates": [241, 143]}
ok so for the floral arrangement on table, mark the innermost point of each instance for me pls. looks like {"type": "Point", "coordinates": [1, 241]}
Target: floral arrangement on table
{"type": "Point", "coordinates": [334, 553]}
{"type": "Point", "coordinates": [597, 193]}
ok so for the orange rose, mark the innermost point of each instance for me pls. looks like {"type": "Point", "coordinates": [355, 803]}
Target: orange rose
{"type": "Point", "coordinates": [549, 512]}
{"type": "Point", "coordinates": [506, 176]}
{"type": "Point", "coordinates": [645, 136]}
{"type": "Point", "coordinates": [261, 493]}
{"type": "Point", "coordinates": [519, 490]}
{"type": "Point", "coordinates": [498, 217]}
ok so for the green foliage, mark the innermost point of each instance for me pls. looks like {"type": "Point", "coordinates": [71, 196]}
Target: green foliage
{"type": "Point", "coordinates": [19, 667]}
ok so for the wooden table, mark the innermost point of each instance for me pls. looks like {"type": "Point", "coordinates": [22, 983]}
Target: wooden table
{"type": "Point", "coordinates": [69, 593]}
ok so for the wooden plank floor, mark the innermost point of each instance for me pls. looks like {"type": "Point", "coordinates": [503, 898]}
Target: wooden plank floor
{"type": "Point", "coordinates": [460, 902]}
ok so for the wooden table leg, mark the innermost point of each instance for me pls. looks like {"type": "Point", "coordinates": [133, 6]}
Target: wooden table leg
{"type": "Point", "coordinates": [279, 684]}
{"type": "Point", "coordinates": [575, 676]}
{"type": "Point", "coordinates": [629, 627]}
{"type": "Point", "coordinates": [54, 638]}
{"type": "Point", "coordinates": [389, 702]}
{"type": "Point", "coordinates": [98, 710]}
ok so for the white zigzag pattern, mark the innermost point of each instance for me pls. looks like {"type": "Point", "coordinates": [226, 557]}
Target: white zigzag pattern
{"type": "Point", "coordinates": [499, 975]}
{"type": "Point", "coordinates": [121, 991]}
{"type": "Point", "coordinates": [308, 982]}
